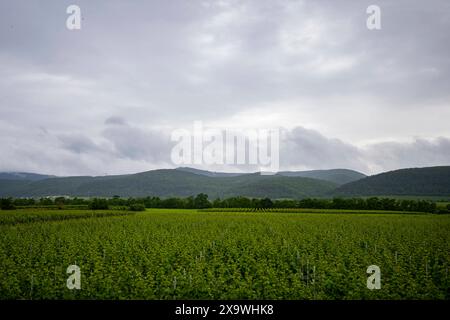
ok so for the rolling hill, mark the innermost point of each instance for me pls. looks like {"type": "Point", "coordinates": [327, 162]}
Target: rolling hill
{"type": "Point", "coordinates": [209, 173]}
{"type": "Point", "coordinates": [23, 176]}
{"type": "Point", "coordinates": [182, 182]}
{"type": "Point", "coordinates": [170, 182]}
{"type": "Point", "coordinates": [430, 181]}
{"type": "Point", "coordinates": [338, 176]}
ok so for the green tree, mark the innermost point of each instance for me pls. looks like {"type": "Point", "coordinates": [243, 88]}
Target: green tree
{"type": "Point", "coordinates": [7, 204]}
{"type": "Point", "coordinates": [201, 201]}
{"type": "Point", "coordinates": [98, 204]}
{"type": "Point", "coordinates": [266, 203]}
{"type": "Point", "coordinates": [217, 203]}
{"type": "Point", "coordinates": [189, 202]}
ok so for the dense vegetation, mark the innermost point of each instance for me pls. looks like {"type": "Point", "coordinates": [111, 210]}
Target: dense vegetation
{"type": "Point", "coordinates": [201, 201]}
{"type": "Point", "coordinates": [169, 183]}
{"type": "Point", "coordinates": [184, 182]}
{"type": "Point", "coordinates": [13, 218]}
{"type": "Point", "coordinates": [337, 176]}
{"type": "Point", "coordinates": [183, 254]}
{"type": "Point", "coordinates": [23, 176]}
{"type": "Point", "coordinates": [432, 181]}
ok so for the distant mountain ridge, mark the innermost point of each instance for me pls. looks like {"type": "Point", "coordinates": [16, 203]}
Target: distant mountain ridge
{"type": "Point", "coordinates": [210, 173]}
{"type": "Point", "coordinates": [428, 181]}
{"type": "Point", "coordinates": [23, 176]}
{"type": "Point", "coordinates": [182, 182]}
{"type": "Point", "coordinates": [338, 176]}
{"type": "Point", "coordinates": [168, 183]}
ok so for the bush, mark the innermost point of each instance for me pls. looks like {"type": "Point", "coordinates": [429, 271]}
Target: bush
{"type": "Point", "coordinates": [136, 207]}
{"type": "Point", "coordinates": [201, 201]}
{"type": "Point", "coordinates": [7, 204]}
{"type": "Point", "coordinates": [266, 203]}
{"type": "Point", "coordinates": [98, 204]}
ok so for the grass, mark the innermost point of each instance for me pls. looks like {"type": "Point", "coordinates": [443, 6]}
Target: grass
{"type": "Point", "coordinates": [442, 204]}
{"type": "Point", "coordinates": [41, 215]}
{"type": "Point", "coordinates": [185, 254]}
{"type": "Point", "coordinates": [303, 210]}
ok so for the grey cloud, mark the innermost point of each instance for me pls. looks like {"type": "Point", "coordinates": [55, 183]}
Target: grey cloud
{"type": "Point", "coordinates": [240, 53]}
{"type": "Point", "coordinates": [77, 143]}
{"type": "Point", "coordinates": [120, 149]}
{"type": "Point", "coordinates": [308, 149]}
{"type": "Point", "coordinates": [115, 121]}
{"type": "Point", "coordinates": [418, 153]}
{"type": "Point", "coordinates": [134, 143]}
{"type": "Point", "coordinates": [173, 62]}
{"type": "Point", "coordinates": [128, 148]}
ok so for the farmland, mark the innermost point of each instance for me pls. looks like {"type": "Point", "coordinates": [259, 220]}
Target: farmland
{"type": "Point", "coordinates": [190, 254]}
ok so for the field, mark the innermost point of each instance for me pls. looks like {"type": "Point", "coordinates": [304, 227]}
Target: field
{"type": "Point", "coordinates": [189, 254]}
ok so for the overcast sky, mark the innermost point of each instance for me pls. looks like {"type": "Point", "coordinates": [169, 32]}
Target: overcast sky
{"type": "Point", "coordinates": [104, 99]}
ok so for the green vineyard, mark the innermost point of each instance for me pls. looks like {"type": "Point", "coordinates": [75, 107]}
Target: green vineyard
{"type": "Point", "coordinates": [189, 254]}
{"type": "Point", "coordinates": [301, 210]}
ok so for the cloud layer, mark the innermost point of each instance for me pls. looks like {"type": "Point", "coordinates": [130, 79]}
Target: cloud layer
{"type": "Point", "coordinates": [104, 99]}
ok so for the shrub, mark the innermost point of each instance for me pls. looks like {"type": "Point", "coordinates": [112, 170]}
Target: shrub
{"type": "Point", "coordinates": [201, 201]}
{"type": "Point", "coordinates": [98, 204]}
{"type": "Point", "coordinates": [136, 207]}
{"type": "Point", "coordinates": [266, 203]}
{"type": "Point", "coordinates": [7, 204]}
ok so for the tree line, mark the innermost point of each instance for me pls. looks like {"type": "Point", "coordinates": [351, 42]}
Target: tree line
{"type": "Point", "coordinates": [201, 201]}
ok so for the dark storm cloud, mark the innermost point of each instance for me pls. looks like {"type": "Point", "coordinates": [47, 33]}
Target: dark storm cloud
{"type": "Point", "coordinates": [163, 64]}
